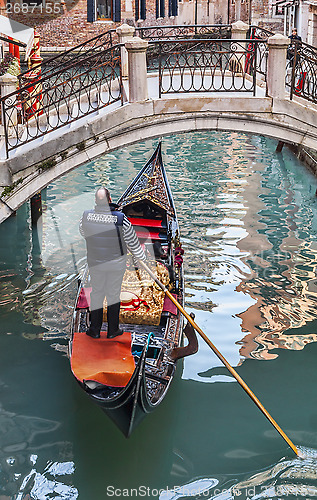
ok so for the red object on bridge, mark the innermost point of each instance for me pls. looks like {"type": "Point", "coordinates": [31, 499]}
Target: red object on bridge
{"type": "Point", "coordinates": [31, 104]}
{"type": "Point", "coordinates": [16, 52]}
{"type": "Point", "coordinates": [300, 84]}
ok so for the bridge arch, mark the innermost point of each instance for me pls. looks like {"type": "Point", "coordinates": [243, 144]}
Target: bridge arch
{"type": "Point", "coordinates": [29, 171]}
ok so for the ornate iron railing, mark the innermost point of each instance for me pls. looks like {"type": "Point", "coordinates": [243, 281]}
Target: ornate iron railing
{"type": "Point", "coordinates": [152, 33]}
{"type": "Point", "coordinates": [50, 102]}
{"type": "Point", "coordinates": [260, 33]}
{"type": "Point", "coordinates": [200, 31]}
{"type": "Point", "coordinates": [301, 77]}
{"type": "Point", "coordinates": [88, 77]}
{"type": "Point", "coordinates": [206, 66]}
{"type": "Point", "coordinates": [73, 55]}
{"type": "Point", "coordinates": [110, 37]}
{"type": "Point", "coordinates": [257, 52]}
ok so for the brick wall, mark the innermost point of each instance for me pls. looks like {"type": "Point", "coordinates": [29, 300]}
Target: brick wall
{"type": "Point", "coordinates": [65, 30]}
{"type": "Point", "coordinates": [262, 16]}
{"type": "Point", "coordinates": [71, 27]}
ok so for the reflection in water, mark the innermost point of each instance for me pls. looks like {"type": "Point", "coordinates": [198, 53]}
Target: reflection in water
{"type": "Point", "coordinates": [190, 490]}
{"type": "Point", "coordinates": [246, 230]}
{"type": "Point", "coordinates": [249, 231]}
{"type": "Point", "coordinates": [42, 486]}
{"type": "Point", "coordinates": [287, 479]}
{"type": "Point", "coordinates": [283, 283]}
{"type": "Point", "coordinates": [20, 438]}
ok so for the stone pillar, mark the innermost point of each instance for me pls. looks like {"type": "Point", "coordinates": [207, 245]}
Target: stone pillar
{"type": "Point", "coordinates": [8, 84]}
{"type": "Point", "coordinates": [239, 32]}
{"type": "Point", "coordinates": [125, 34]}
{"type": "Point", "coordinates": [138, 90]}
{"type": "Point", "coordinates": [276, 65]}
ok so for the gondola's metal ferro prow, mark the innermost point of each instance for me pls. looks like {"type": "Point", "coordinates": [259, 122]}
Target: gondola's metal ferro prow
{"type": "Point", "coordinates": [233, 372]}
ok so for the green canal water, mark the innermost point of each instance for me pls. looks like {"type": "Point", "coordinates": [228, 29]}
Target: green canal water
{"type": "Point", "coordinates": [248, 218]}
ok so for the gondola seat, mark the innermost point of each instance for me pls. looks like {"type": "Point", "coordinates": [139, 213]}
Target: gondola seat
{"type": "Point", "coordinates": [154, 229]}
{"type": "Point", "coordinates": [142, 300]}
{"type": "Point", "coordinates": [154, 223]}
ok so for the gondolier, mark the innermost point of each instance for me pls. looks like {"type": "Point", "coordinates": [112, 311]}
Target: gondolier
{"type": "Point", "coordinates": [108, 234]}
{"type": "Point", "coordinates": [129, 377]}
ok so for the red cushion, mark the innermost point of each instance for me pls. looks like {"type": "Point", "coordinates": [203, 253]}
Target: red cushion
{"type": "Point", "coordinates": [135, 221]}
{"type": "Point", "coordinates": [83, 301]}
{"type": "Point", "coordinates": [107, 361]}
{"type": "Point", "coordinates": [168, 305]}
{"type": "Point", "coordinates": [153, 235]}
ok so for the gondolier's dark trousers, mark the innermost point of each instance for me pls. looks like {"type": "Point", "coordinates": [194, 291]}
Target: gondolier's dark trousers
{"type": "Point", "coordinates": [106, 280]}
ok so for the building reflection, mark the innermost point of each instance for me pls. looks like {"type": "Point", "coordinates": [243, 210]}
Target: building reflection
{"type": "Point", "coordinates": [282, 266]}
{"type": "Point", "coordinates": [293, 478]}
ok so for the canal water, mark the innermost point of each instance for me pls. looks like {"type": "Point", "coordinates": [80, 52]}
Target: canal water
{"type": "Point", "coordinates": [248, 218]}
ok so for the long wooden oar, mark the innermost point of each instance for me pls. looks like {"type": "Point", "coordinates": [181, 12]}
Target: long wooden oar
{"type": "Point", "coordinates": [222, 358]}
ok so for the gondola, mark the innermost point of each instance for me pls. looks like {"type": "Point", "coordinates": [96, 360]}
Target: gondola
{"type": "Point", "coordinates": [129, 376]}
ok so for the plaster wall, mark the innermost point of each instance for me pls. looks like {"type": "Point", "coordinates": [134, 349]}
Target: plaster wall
{"type": "Point", "coordinates": [312, 26]}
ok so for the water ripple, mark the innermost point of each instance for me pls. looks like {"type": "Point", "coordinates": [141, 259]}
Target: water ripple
{"type": "Point", "coordinates": [249, 230]}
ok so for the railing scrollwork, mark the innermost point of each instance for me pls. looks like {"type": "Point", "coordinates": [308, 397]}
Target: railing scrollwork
{"type": "Point", "coordinates": [185, 59]}
{"type": "Point", "coordinates": [210, 31]}
{"type": "Point", "coordinates": [301, 74]}
{"type": "Point", "coordinates": [48, 103]}
{"type": "Point", "coordinates": [206, 65]}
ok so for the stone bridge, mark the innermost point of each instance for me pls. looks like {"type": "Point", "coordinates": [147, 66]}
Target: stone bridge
{"type": "Point", "coordinates": [144, 112]}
